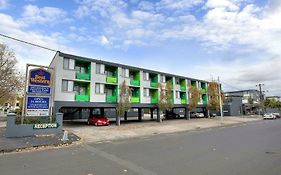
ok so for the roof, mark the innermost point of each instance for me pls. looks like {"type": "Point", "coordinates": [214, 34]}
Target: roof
{"type": "Point", "coordinates": [124, 66]}
{"type": "Point", "coordinates": [247, 90]}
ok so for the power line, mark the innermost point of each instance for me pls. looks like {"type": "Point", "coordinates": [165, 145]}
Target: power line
{"type": "Point", "coordinates": [26, 42]}
{"type": "Point", "coordinates": [230, 85]}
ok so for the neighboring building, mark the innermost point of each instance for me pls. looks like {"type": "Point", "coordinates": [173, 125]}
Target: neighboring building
{"type": "Point", "coordinates": [233, 105]}
{"type": "Point", "coordinates": [250, 100]}
{"type": "Point", "coordinates": [277, 98]}
{"type": "Point", "coordinates": [84, 84]}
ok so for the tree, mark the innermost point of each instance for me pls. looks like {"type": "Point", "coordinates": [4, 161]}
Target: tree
{"type": "Point", "coordinates": [194, 97]}
{"type": "Point", "coordinates": [213, 93]}
{"type": "Point", "coordinates": [11, 80]}
{"type": "Point", "coordinates": [165, 102]}
{"type": "Point", "coordinates": [124, 104]}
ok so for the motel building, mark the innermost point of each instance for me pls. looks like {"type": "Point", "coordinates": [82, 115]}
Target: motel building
{"type": "Point", "coordinates": [84, 86]}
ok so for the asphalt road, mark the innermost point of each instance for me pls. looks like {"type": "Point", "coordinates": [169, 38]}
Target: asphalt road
{"type": "Point", "coordinates": [251, 149]}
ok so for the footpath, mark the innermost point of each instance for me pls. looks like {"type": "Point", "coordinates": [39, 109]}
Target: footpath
{"type": "Point", "coordinates": [32, 142]}
{"type": "Point", "coordinates": [148, 128]}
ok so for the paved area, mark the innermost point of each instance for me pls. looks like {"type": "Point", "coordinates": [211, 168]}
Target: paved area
{"type": "Point", "coordinates": [147, 128]}
{"type": "Point", "coordinates": [252, 148]}
{"type": "Point", "coordinates": [17, 144]}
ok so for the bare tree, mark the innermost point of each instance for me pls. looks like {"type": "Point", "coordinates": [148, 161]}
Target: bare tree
{"type": "Point", "coordinates": [11, 80]}
{"type": "Point", "coordinates": [194, 97]}
{"type": "Point", "coordinates": [165, 102]}
{"type": "Point", "coordinates": [124, 104]}
{"type": "Point", "coordinates": [213, 93]}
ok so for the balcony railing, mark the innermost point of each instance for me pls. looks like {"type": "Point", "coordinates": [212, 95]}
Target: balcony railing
{"type": "Point", "coordinates": [153, 84]}
{"type": "Point", "coordinates": [204, 91]}
{"type": "Point", "coordinates": [111, 79]}
{"type": "Point", "coordinates": [183, 88]}
{"type": "Point", "coordinates": [111, 99]}
{"type": "Point", "coordinates": [135, 100]}
{"type": "Point", "coordinates": [183, 101]}
{"type": "Point", "coordinates": [135, 82]}
{"type": "Point", "coordinates": [83, 98]}
{"type": "Point", "coordinates": [154, 100]}
{"type": "Point", "coordinates": [82, 76]}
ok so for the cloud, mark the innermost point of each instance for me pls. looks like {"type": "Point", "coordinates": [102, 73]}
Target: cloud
{"type": "Point", "coordinates": [44, 15]}
{"type": "Point", "coordinates": [3, 4]}
{"type": "Point", "coordinates": [104, 40]}
{"type": "Point", "coordinates": [26, 53]}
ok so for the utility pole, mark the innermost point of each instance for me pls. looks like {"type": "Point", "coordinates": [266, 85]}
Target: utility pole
{"type": "Point", "coordinates": [261, 97]}
{"type": "Point", "coordinates": [219, 87]}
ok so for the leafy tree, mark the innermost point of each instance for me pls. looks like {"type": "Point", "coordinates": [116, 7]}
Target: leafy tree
{"type": "Point", "coordinates": [213, 93]}
{"type": "Point", "coordinates": [194, 97]}
{"type": "Point", "coordinates": [11, 80]}
{"type": "Point", "coordinates": [271, 103]}
{"type": "Point", "coordinates": [165, 102]}
{"type": "Point", "coordinates": [124, 104]}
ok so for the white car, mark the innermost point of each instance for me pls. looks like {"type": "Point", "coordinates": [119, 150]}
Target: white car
{"type": "Point", "coordinates": [269, 116]}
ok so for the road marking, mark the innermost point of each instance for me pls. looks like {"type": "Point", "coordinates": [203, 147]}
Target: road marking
{"type": "Point", "coordinates": [129, 165]}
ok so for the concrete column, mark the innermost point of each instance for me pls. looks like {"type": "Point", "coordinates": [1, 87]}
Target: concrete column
{"type": "Point", "coordinates": [139, 114]}
{"type": "Point", "coordinates": [158, 115]}
{"type": "Point", "coordinates": [80, 113]}
{"type": "Point", "coordinates": [126, 116]}
{"type": "Point", "coordinates": [91, 112]}
{"type": "Point", "coordinates": [186, 113]}
{"type": "Point", "coordinates": [102, 111]}
{"type": "Point", "coordinates": [151, 113]}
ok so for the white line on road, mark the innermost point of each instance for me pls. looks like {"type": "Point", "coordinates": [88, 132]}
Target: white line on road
{"type": "Point", "coordinates": [129, 165]}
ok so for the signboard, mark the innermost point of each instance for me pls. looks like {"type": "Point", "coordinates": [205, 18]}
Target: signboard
{"type": "Point", "coordinates": [46, 126]}
{"type": "Point", "coordinates": [37, 106]}
{"type": "Point", "coordinates": [39, 77]}
{"type": "Point", "coordinates": [39, 90]}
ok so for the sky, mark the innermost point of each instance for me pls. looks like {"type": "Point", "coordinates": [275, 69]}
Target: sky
{"type": "Point", "coordinates": [237, 40]}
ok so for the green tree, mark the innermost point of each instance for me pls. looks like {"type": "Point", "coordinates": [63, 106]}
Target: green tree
{"type": "Point", "coordinates": [11, 80]}
{"type": "Point", "coordinates": [165, 102]}
{"type": "Point", "coordinates": [213, 93]}
{"type": "Point", "coordinates": [124, 104]}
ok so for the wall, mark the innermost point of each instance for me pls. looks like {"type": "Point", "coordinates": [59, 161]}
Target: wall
{"type": "Point", "coordinates": [14, 130]}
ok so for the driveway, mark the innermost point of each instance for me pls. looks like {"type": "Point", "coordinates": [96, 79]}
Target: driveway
{"type": "Point", "coordinates": [147, 128]}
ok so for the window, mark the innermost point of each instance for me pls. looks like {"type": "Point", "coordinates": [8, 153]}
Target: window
{"type": "Point", "coordinates": [99, 68]}
{"type": "Point", "coordinates": [146, 92]}
{"type": "Point", "coordinates": [81, 90]}
{"type": "Point", "coordinates": [68, 63]}
{"type": "Point", "coordinates": [177, 94]}
{"type": "Point", "coordinates": [67, 85]}
{"type": "Point", "coordinates": [99, 89]}
{"type": "Point", "coordinates": [177, 81]}
{"type": "Point", "coordinates": [145, 76]}
{"type": "Point", "coordinates": [162, 79]}
{"type": "Point", "coordinates": [125, 72]}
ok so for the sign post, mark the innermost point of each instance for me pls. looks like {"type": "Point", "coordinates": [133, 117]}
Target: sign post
{"type": "Point", "coordinates": [38, 91]}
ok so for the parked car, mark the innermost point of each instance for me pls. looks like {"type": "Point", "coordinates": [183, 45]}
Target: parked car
{"type": "Point", "coordinates": [98, 120]}
{"type": "Point", "coordinates": [269, 116]}
{"type": "Point", "coordinates": [171, 115]}
{"type": "Point", "coordinates": [197, 115]}
{"type": "Point", "coordinates": [213, 114]}
{"type": "Point", "coordinates": [277, 115]}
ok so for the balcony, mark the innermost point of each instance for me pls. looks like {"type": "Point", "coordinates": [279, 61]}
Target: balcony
{"type": "Point", "coordinates": [135, 100]}
{"type": "Point", "coordinates": [153, 84]}
{"type": "Point", "coordinates": [111, 99]}
{"type": "Point", "coordinates": [110, 79]}
{"type": "Point", "coordinates": [204, 91]}
{"type": "Point", "coordinates": [183, 88]}
{"type": "Point", "coordinates": [154, 100]}
{"type": "Point", "coordinates": [82, 98]}
{"type": "Point", "coordinates": [135, 82]}
{"type": "Point", "coordinates": [183, 101]}
{"type": "Point", "coordinates": [82, 76]}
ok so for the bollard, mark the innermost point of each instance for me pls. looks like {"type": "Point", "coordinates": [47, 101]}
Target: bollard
{"type": "Point", "coordinates": [65, 136]}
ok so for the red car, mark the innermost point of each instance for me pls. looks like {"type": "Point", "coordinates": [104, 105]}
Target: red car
{"type": "Point", "coordinates": [98, 120]}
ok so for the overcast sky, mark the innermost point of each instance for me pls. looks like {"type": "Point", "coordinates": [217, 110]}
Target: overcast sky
{"type": "Point", "coordinates": [238, 40]}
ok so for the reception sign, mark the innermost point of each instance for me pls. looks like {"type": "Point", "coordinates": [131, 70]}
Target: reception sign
{"type": "Point", "coordinates": [37, 106]}
{"type": "Point", "coordinates": [39, 90]}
